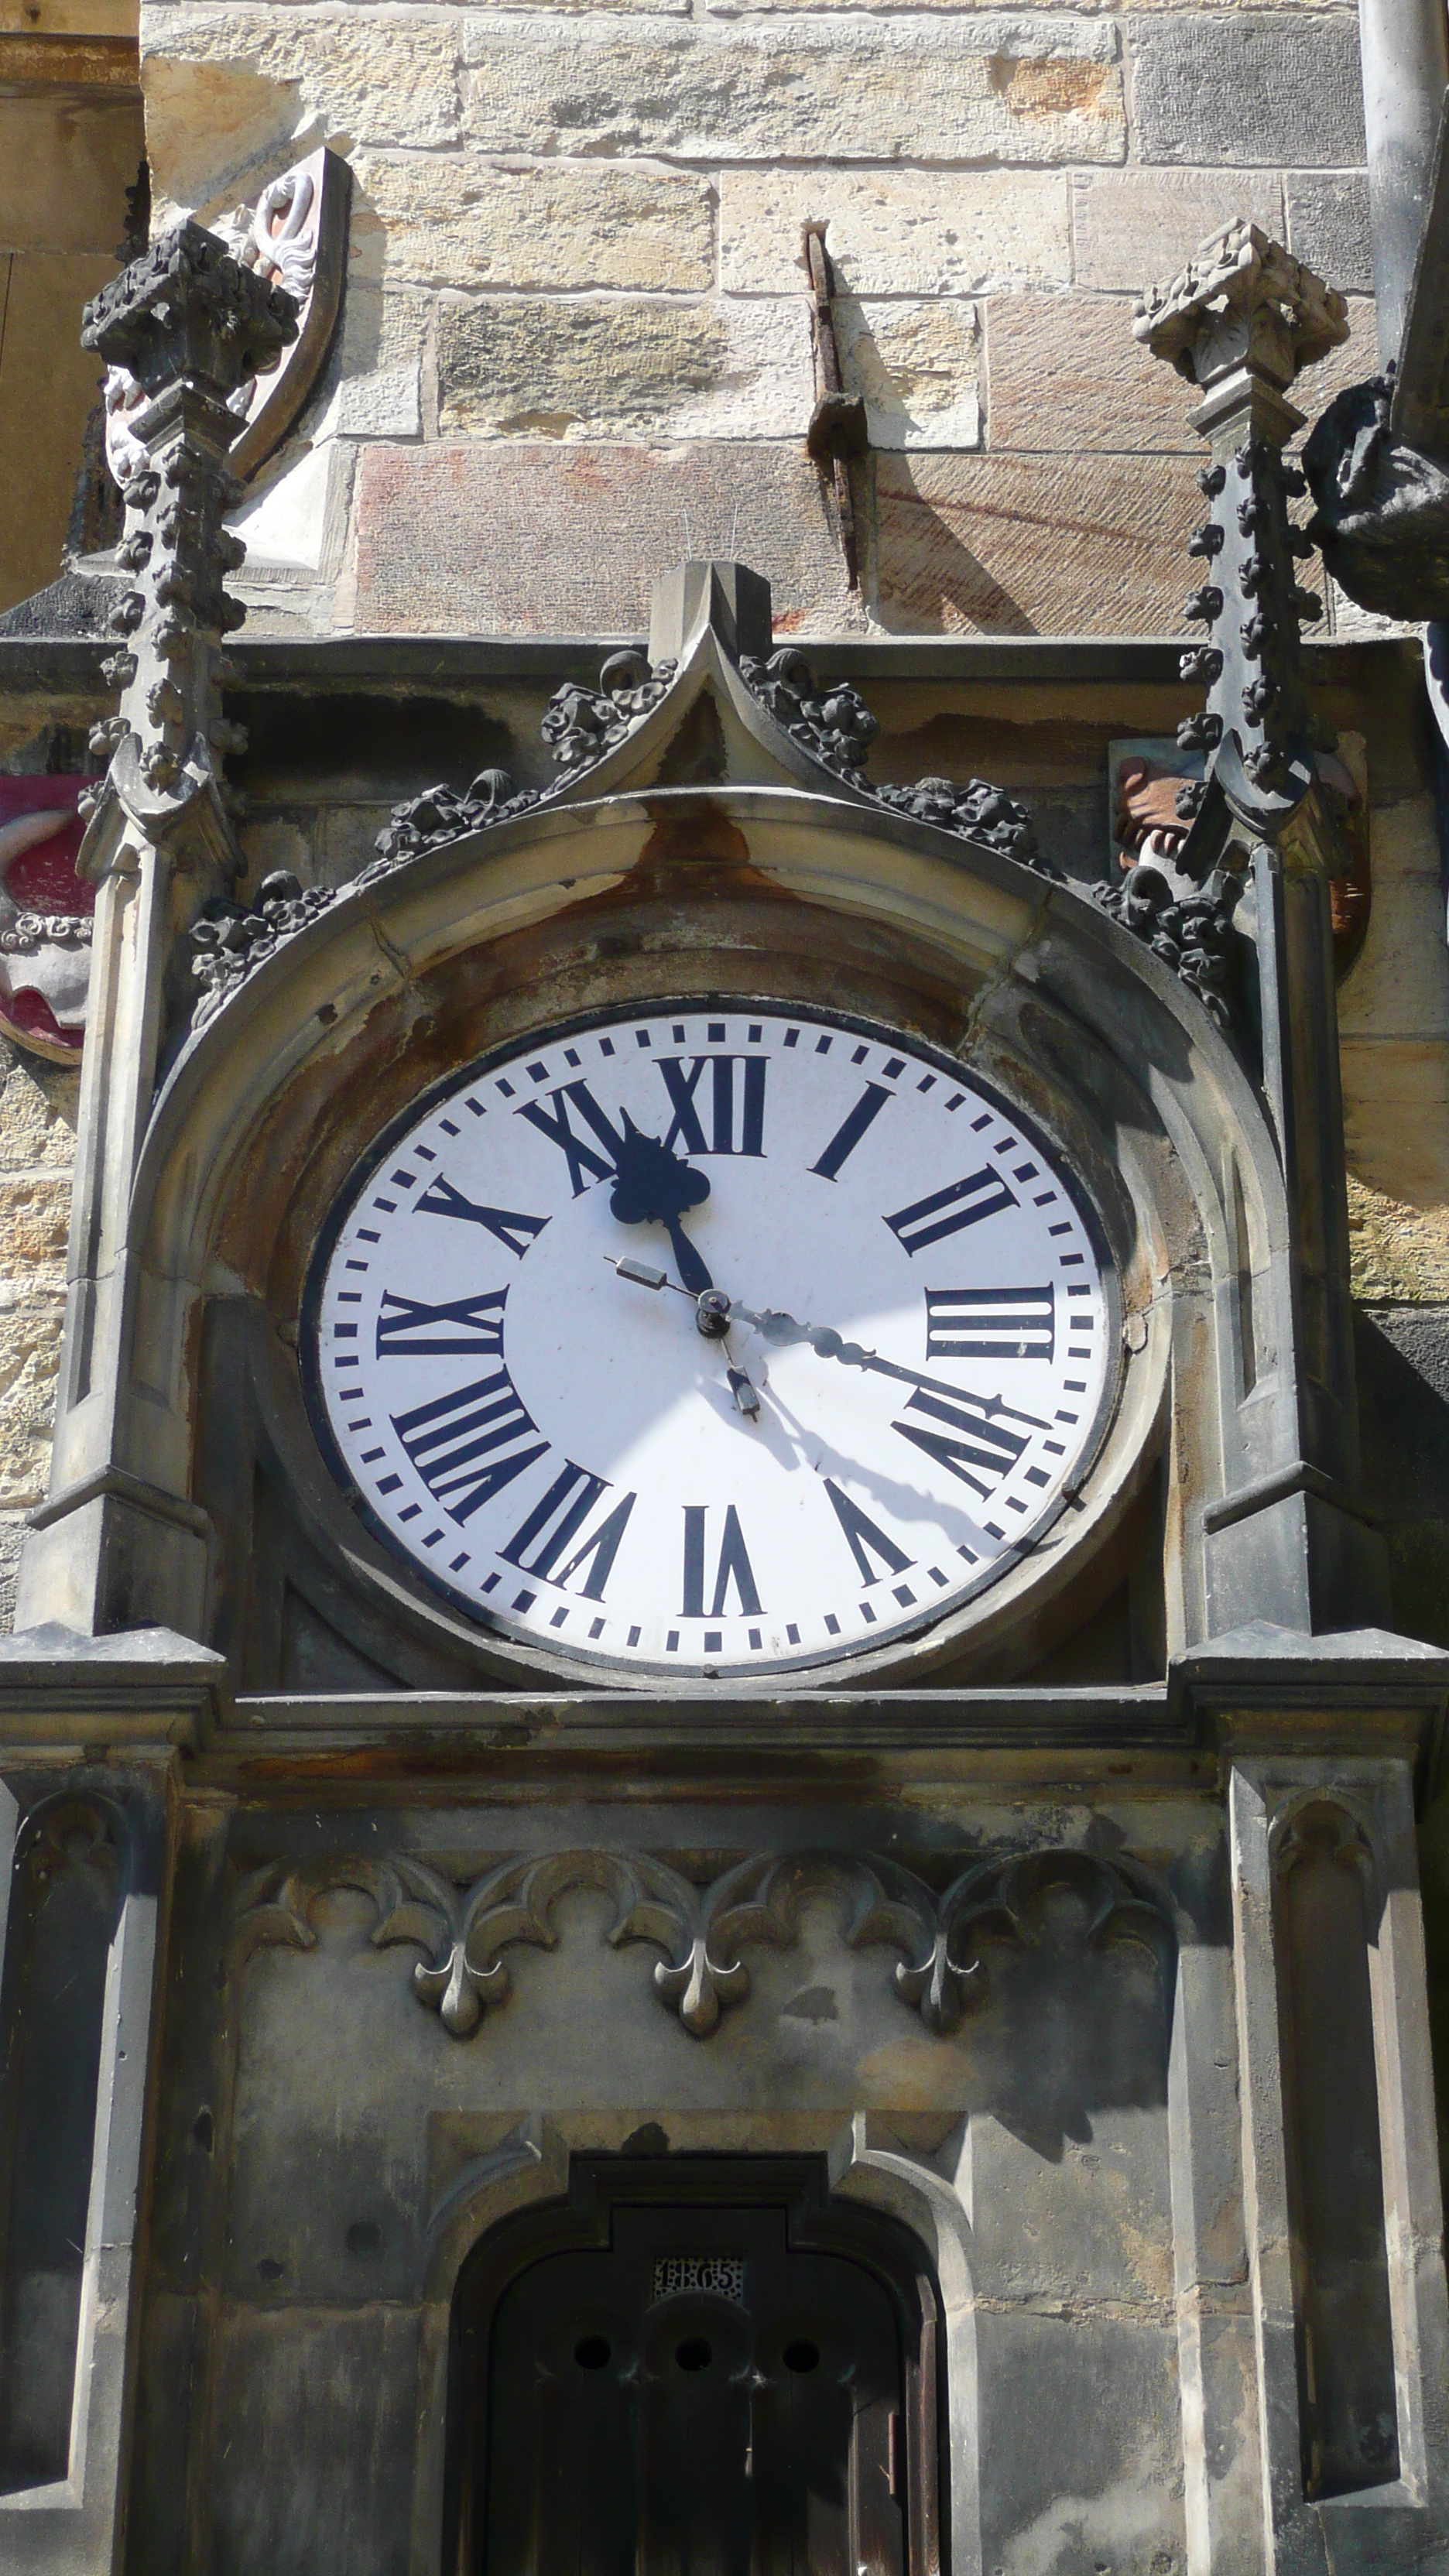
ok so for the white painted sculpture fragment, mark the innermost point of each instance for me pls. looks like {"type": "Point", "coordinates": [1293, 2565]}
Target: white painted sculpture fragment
{"type": "Point", "coordinates": [45, 955]}
{"type": "Point", "coordinates": [295, 235]}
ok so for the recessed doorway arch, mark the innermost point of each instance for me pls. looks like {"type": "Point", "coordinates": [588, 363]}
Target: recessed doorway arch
{"type": "Point", "coordinates": [695, 2366]}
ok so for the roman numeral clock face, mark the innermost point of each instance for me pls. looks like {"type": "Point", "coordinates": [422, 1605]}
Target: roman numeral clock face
{"type": "Point", "coordinates": [712, 1341]}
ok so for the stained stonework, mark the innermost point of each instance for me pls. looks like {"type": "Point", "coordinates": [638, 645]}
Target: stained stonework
{"type": "Point", "coordinates": [596, 219]}
{"type": "Point", "coordinates": [542, 541]}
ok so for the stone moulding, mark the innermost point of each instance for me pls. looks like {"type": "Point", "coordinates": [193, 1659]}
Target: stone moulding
{"type": "Point", "coordinates": [463, 1928]}
{"type": "Point", "coordinates": [583, 728]}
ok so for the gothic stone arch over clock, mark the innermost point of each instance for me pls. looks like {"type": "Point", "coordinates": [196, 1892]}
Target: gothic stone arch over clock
{"type": "Point", "coordinates": [713, 1337]}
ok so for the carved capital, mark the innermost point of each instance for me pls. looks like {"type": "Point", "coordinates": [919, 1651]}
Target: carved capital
{"type": "Point", "coordinates": [186, 312]}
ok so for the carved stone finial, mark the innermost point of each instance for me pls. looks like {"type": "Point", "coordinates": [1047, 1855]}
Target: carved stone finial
{"type": "Point", "coordinates": [189, 325]}
{"type": "Point", "coordinates": [1239, 323]}
{"type": "Point", "coordinates": [187, 313]}
{"type": "Point", "coordinates": [1242, 302]}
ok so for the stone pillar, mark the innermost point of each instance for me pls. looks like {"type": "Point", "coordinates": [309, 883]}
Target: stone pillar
{"type": "Point", "coordinates": [65, 2516]}
{"type": "Point", "coordinates": [117, 1543]}
{"type": "Point", "coordinates": [1312, 2279]}
{"type": "Point", "coordinates": [1239, 323]}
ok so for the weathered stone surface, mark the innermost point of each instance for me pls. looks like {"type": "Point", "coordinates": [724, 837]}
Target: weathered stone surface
{"type": "Point", "coordinates": [518, 366]}
{"type": "Point", "coordinates": [12, 1539]}
{"type": "Point", "coordinates": [918, 367]}
{"type": "Point", "coordinates": [1398, 1254]}
{"type": "Point", "coordinates": [1231, 88]}
{"type": "Point", "coordinates": [1065, 372]}
{"type": "Point", "coordinates": [29, 1349]}
{"type": "Point", "coordinates": [1019, 545]}
{"type": "Point", "coordinates": [1131, 227]}
{"type": "Point", "coordinates": [1004, 88]}
{"type": "Point", "coordinates": [462, 223]}
{"type": "Point", "coordinates": [48, 387]}
{"type": "Point", "coordinates": [1106, 2384]}
{"type": "Point", "coordinates": [1328, 226]}
{"type": "Point", "coordinates": [373, 384]}
{"type": "Point", "coordinates": [1393, 1014]}
{"type": "Point", "coordinates": [529, 538]}
{"type": "Point", "coordinates": [37, 1111]}
{"type": "Point", "coordinates": [34, 1222]}
{"type": "Point", "coordinates": [897, 232]}
{"type": "Point", "coordinates": [221, 83]}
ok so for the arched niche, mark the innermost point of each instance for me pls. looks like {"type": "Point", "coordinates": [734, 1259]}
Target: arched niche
{"type": "Point", "coordinates": [766, 892]}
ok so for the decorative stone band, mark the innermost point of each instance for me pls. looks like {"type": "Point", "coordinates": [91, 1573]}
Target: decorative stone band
{"type": "Point", "coordinates": [32, 931]}
{"type": "Point", "coordinates": [580, 727]}
{"type": "Point", "coordinates": [834, 726]}
{"type": "Point", "coordinates": [943, 1940]}
{"type": "Point", "coordinates": [1193, 934]}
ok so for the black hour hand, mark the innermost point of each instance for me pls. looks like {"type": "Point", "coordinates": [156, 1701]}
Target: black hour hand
{"type": "Point", "coordinates": [653, 1187]}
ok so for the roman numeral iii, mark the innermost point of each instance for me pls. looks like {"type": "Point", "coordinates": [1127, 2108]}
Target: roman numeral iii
{"type": "Point", "coordinates": [990, 1323]}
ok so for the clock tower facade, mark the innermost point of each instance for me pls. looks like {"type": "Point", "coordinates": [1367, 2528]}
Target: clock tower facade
{"type": "Point", "coordinates": [711, 1795]}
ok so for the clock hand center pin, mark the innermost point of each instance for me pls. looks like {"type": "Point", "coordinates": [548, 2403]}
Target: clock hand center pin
{"type": "Point", "coordinates": [711, 1315]}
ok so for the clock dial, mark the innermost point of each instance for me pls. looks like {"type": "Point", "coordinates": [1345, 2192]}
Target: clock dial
{"type": "Point", "coordinates": [712, 1340]}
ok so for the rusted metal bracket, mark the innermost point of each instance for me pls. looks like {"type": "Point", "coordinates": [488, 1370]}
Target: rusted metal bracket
{"type": "Point", "coordinates": [837, 428]}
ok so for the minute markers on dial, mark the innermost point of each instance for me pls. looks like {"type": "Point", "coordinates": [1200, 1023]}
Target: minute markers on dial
{"type": "Point", "coordinates": [558, 1437]}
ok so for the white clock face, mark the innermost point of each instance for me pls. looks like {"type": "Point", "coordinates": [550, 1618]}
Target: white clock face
{"type": "Point", "coordinates": [908, 1364]}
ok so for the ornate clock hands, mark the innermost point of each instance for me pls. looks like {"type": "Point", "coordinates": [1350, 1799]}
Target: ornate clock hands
{"type": "Point", "coordinates": [827, 1344]}
{"type": "Point", "coordinates": [712, 1317]}
{"type": "Point", "coordinates": [653, 1187]}
{"type": "Point", "coordinates": [714, 1314]}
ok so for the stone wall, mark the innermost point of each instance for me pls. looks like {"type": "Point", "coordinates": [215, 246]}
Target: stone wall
{"type": "Point", "coordinates": [577, 344]}
{"type": "Point", "coordinates": [70, 146]}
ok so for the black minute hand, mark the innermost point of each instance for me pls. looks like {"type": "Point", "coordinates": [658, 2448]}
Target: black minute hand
{"type": "Point", "coordinates": [653, 1187]}
{"type": "Point", "coordinates": [829, 1345]}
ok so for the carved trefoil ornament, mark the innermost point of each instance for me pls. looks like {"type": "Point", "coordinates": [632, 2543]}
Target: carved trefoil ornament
{"type": "Point", "coordinates": [943, 1940]}
{"type": "Point", "coordinates": [293, 236]}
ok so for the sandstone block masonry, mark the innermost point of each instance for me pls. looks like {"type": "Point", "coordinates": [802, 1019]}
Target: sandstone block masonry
{"type": "Point", "coordinates": [582, 228]}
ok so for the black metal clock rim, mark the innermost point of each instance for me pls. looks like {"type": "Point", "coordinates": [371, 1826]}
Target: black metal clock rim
{"type": "Point", "coordinates": [570, 1658]}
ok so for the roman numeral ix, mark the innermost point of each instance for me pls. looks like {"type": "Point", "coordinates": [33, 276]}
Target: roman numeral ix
{"type": "Point", "coordinates": [990, 1323]}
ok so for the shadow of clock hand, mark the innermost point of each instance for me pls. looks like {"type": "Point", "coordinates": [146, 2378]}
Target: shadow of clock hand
{"type": "Point", "coordinates": [653, 1187]}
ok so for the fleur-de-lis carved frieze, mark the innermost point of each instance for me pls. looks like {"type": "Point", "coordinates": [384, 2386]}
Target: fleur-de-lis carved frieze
{"type": "Point", "coordinates": [464, 1926]}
